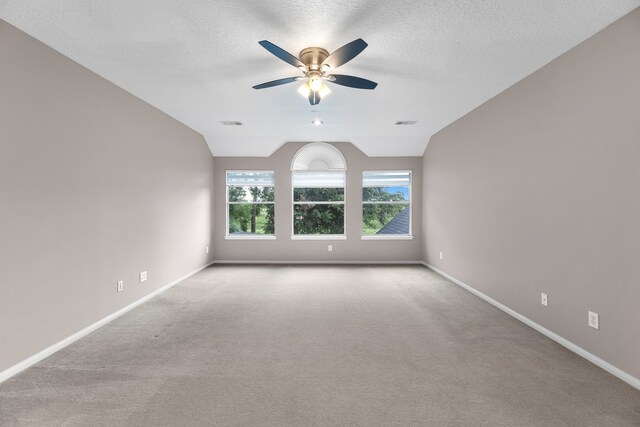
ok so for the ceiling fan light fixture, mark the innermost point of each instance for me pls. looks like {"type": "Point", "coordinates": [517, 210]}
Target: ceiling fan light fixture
{"type": "Point", "coordinates": [317, 64]}
{"type": "Point", "coordinates": [304, 90]}
{"type": "Point", "coordinates": [315, 83]}
{"type": "Point", "coordinates": [324, 91]}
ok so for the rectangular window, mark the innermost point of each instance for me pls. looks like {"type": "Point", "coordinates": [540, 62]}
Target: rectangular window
{"type": "Point", "coordinates": [250, 204]}
{"type": "Point", "coordinates": [318, 203]}
{"type": "Point", "coordinates": [386, 204]}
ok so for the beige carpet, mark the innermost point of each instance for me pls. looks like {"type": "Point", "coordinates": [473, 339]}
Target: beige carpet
{"type": "Point", "coordinates": [319, 345]}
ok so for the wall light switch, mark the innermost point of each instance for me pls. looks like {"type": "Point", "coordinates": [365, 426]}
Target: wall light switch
{"type": "Point", "coordinates": [594, 320]}
{"type": "Point", "coordinates": [544, 299]}
{"type": "Point", "coordinates": [120, 285]}
{"type": "Point", "coordinates": [143, 276]}
{"type": "Point", "coordinates": [206, 249]}
{"type": "Point", "coordinates": [440, 255]}
{"type": "Point", "coordinates": [330, 248]}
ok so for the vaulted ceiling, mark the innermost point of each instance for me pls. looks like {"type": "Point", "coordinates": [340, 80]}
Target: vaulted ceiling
{"type": "Point", "coordinates": [197, 60]}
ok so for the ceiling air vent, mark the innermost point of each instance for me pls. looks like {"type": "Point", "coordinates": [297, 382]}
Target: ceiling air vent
{"type": "Point", "coordinates": [230, 123]}
{"type": "Point", "coordinates": [406, 122]}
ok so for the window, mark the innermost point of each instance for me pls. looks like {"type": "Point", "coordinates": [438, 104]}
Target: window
{"type": "Point", "coordinates": [386, 204]}
{"type": "Point", "coordinates": [318, 203]}
{"type": "Point", "coordinates": [317, 180]}
{"type": "Point", "coordinates": [250, 204]}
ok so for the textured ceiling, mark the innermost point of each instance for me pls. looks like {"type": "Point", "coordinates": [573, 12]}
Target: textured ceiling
{"type": "Point", "coordinates": [196, 60]}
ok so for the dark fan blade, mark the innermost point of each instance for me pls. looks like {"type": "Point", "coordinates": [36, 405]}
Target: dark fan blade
{"type": "Point", "coordinates": [346, 53]}
{"type": "Point", "coordinates": [276, 82]}
{"type": "Point", "coordinates": [314, 97]}
{"type": "Point", "coordinates": [355, 82]}
{"type": "Point", "coordinates": [281, 53]}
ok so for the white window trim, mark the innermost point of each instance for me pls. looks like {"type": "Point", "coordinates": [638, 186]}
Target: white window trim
{"type": "Point", "coordinates": [387, 237]}
{"type": "Point", "coordinates": [390, 236]}
{"type": "Point", "coordinates": [228, 236]}
{"type": "Point", "coordinates": [318, 237]}
{"type": "Point", "coordinates": [250, 237]}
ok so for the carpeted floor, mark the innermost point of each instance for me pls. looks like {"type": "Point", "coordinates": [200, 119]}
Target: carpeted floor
{"type": "Point", "coordinates": [316, 345]}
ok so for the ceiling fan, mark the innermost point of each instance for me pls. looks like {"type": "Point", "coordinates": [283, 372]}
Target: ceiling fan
{"type": "Point", "coordinates": [316, 65]}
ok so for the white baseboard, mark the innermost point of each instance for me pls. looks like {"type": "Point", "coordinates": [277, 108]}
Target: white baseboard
{"type": "Point", "coordinates": [328, 262]}
{"type": "Point", "coordinates": [633, 381]}
{"type": "Point", "coordinates": [21, 366]}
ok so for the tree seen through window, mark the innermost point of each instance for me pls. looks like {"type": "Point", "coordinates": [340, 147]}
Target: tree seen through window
{"type": "Point", "coordinates": [386, 203]}
{"type": "Point", "coordinates": [250, 207]}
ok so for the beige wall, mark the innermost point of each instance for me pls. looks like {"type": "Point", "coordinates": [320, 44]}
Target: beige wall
{"type": "Point", "coordinates": [95, 186]}
{"type": "Point", "coordinates": [538, 190]}
{"type": "Point", "coordinates": [285, 249]}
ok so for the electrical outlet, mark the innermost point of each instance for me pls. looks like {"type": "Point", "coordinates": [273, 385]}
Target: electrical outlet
{"type": "Point", "coordinates": [594, 320]}
{"type": "Point", "coordinates": [330, 248]}
{"type": "Point", "coordinates": [143, 276]}
{"type": "Point", "coordinates": [440, 255]}
{"type": "Point", "coordinates": [544, 299]}
{"type": "Point", "coordinates": [206, 249]}
{"type": "Point", "coordinates": [120, 285]}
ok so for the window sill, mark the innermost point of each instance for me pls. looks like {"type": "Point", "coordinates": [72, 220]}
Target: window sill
{"type": "Point", "coordinates": [250, 237]}
{"type": "Point", "coordinates": [319, 237]}
{"type": "Point", "coordinates": [387, 237]}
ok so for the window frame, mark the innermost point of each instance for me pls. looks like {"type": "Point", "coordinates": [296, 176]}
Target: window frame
{"type": "Point", "coordinates": [408, 236]}
{"type": "Point", "coordinates": [342, 236]}
{"type": "Point", "coordinates": [228, 236]}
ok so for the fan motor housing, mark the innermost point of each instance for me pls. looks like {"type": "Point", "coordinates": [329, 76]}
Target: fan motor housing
{"type": "Point", "coordinates": [312, 57]}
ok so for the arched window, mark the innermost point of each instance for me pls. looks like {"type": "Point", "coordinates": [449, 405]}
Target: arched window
{"type": "Point", "coordinates": [318, 181]}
